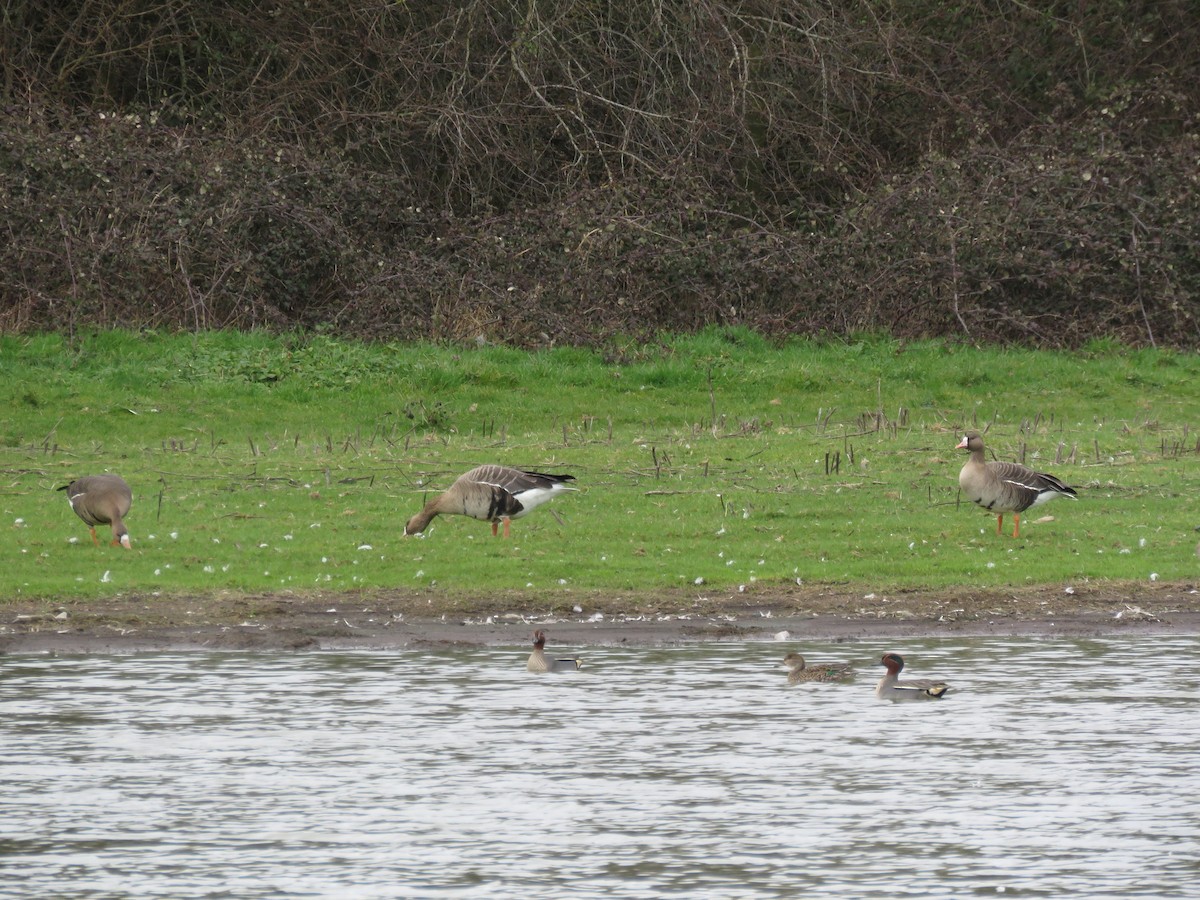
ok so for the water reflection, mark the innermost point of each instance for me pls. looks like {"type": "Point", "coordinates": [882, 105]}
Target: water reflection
{"type": "Point", "coordinates": [1057, 767]}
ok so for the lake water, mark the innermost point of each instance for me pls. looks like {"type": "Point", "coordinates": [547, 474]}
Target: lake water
{"type": "Point", "coordinates": [1056, 768]}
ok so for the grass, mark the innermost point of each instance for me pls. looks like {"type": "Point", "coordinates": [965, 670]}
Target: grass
{"type": "Point", "coordinates": [716, 462]}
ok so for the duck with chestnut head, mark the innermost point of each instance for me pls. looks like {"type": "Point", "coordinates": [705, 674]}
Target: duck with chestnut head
{"type": "Point", "coordinates": [538, 662]}
{"type": "Point", "coordinates": [891, 687]}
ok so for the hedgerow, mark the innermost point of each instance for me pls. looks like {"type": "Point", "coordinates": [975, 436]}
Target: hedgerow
{"type": "Point", "coordinates": [562, 172]}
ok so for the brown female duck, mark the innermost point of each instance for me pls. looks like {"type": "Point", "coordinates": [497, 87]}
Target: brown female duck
{"type": "Point", "coordinates": [802, 672]}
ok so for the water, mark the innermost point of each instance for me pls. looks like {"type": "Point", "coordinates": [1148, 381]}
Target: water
{"type": "Point", "coordinates": [1059, 767]}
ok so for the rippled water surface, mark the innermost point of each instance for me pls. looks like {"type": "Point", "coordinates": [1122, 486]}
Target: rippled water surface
{"type": "Point", "coordinates": [1058, 767]}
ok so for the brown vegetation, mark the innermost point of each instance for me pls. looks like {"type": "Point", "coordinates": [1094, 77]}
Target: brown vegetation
{"type": "Point", "coordinates": [565, 171]}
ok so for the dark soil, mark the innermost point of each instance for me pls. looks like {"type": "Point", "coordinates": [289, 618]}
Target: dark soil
{"type": "Point", "coordinates": [396, 619]}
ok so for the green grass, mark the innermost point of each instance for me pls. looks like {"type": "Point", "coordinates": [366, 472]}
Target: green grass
{"type": "Point", "coordinates": [716, 462]}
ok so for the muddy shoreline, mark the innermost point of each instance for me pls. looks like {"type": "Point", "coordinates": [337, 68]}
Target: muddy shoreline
{"type": "Point", "coordinates": [410, 619]}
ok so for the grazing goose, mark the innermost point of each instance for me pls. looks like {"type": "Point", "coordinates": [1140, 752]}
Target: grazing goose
{"type": "Point", "coordinates": [890, 686]}
{"type": "Point", "coordinates": [102, 500]}
{"type": "Point", "coordinates": [494, 494]}
{"type": "Point", "coordinates": [1005, 487]}
{"type": "Point", "coordinates": [539, 663]}
{"type": "Point", "coordinates": [800, 671]}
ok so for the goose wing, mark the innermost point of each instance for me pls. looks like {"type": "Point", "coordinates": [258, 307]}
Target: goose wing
{"type": "Point", "coordinates": [1024, 486]}
{"type": "Point", "coordinates": [510, 492]}
{"type": "Point", "coordinates": [517, 481]}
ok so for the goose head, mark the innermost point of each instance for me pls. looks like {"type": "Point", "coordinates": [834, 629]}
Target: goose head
{"type": "Point", "coordinates": [971, 441]}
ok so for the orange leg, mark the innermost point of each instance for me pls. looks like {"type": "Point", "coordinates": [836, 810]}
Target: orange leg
{"type": "Point", "coordinates": [1016, 524]}
{"type": "Point", "coordinates": [95, 540]}
{"type": "Point", "coordinates": [494, 523]}
{"type": "Point", "coordinates": [999, 524]}
{"type": "Point", "coordinates": [506, 522]}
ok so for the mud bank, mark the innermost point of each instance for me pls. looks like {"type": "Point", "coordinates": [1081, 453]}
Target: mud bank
{"type": "Point", "coordinates": [401, 619]}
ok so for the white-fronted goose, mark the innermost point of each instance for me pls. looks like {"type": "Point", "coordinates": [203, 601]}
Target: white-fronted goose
{"type": "Point", "coordinates": [102, 500]}
{"type": "Point", "coordinates": [890, 686]}
{"type": "Point", "coordinates": [539, 663]}
{"type": "Point", "coordinates": [494, 494]}
{"type": "Point", "coordinates": [801, 671]}
{"type": "Point", "coordinates": [1005, 487]}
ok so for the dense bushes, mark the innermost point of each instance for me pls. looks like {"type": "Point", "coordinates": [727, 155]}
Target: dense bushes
{"type": "Point", "coordinates": [563, 171]}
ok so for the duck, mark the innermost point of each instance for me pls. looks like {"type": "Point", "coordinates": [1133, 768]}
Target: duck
{"type": "Point", "coordinates": [1005, 487]}
{"type": "Point", "coordinates": [492, 493]}
{"type": "Point", "coordinates": [800, 671]}
{"type": "Point", "coordinates": [538, 662]}
{"type": "Point", "coordinates": [890, 686]}
{"type": "Point", "coordinates": [102, 500]}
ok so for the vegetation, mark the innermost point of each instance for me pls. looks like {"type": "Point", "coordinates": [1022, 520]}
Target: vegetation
{"type": "Point", "coordinates": [715, 462]}
{"type": "Point", "coordinates": [548, 173]}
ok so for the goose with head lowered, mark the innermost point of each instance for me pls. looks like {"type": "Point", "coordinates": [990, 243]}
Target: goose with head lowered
{"type": "Point", "coordinates": [539, 663]}
{"type": "Point", "coordinates": [1005, 487]}
{"type": "Point", "coordinates": [493, 494]}
{"type": "Point", "coordinates": [102, 500]}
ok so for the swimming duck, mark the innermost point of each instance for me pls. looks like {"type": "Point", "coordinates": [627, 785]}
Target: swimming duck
{"type": "Point", "coordinates": [890, 686]}
{"type": "Point", "coordinates": [800, 671]}
{"type": "Point", "coordinates": [1005, 487]}
{"type": "Point", "coordinates": [494, 494]}
{"type": "Point", "coordinates": [539, 663]}
{"type": "Point", "coordinates": [101, 500]}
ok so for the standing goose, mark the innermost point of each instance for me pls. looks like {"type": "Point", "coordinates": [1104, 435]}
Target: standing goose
{"type": "Point", "coordinates": [890, 686]}
{"type": "Point", "coordinates": [539, 663]}
{"type": "Point", "coordinates": [1005, 487]}
{"type": "Point", "coordinates": [102, 500]}
{"type": "Point", "coordinates": [494, 494]}
{"type": "Point", "coordinates": [801, 671]}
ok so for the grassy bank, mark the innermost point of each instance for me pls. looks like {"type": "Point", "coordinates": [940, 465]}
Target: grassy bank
{"type": "Point", "coordinates": [714, 463]}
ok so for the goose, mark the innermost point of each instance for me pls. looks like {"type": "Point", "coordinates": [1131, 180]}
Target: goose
{"type": "Point", "coordinates": [539, 663]}
{"type": "Point", "coordinates": [101, 500]}
{"type": "Point", "coordinates": [890, 686]}
{"type": "Point", "coordinates": [1005, 487]}
{"type": "Point", "coordinates": [800, 671]}
{"type": "Point", "coordinates": [494, 494]}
